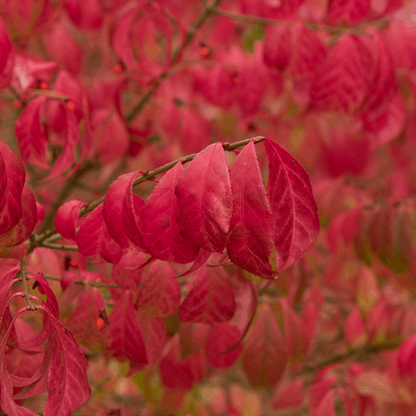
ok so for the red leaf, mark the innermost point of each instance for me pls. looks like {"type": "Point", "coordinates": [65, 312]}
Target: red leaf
{"type": "Point", "coordinates": [63, 48]}
{"type": "Point", "coordinates": [66, 219]}
{"type": "Point", "coordinates": [201, 259]}
{"type": "Point", "coordinates": [205, 202]}
{"type": "Point", "coordinates": [87, 15]}
{"type": "Point", "coordinates": [67, 156]}
{"type": "Point", "coordinates": [158, 227]}
{"type": "Point", "coordinates": [354, 331]}
{"type": "Point", "coordinates": [68, 386]}
{"type": "Point", "coordinates": [277, 46]}
{"type": "Point", "coordinates": [7, 404]}
{"type": "Point", "coordinates": [211, 299]}
{"type": "Point", "coordinates": [250, 241]}
{"type": "Point", "coordinates": [195, 131]}
{"type": "Point", "coordinates": [308, 52]}
{"type": "Point", "coordinates": [220, 338]}
{"type": "Point", "coordinates": [126, 339]}
{"type": "Point", "coordinates": [83, 320]}
{"type": "Point", "coordinates": [93, 238]}
{"type": "Point", "coordinates": [264, 357]}
{"type": "Point", "coordinates": [295, 335]}
{"type": "Point", "coordinates": [6, 56]}
{"type": "Point", "coordinates": [121, 210]}
{"type": "Point", "coordinates": [294, 210]}
{"type": "Point", "coordinates": [341, 82]}
{"type": "Point", "coordinates": [159, 294]}
{"type": "Point", "coordinates": [25, 226]}
{"type": "Point", "coordinates": [51, 301]}
{"type": "Point", "coordinates": [12, 178]}
{"type": "Point", "coordinates": [347, 12]}
{"type": "Point", "coordinates": [127, 279]}
{"type": "Point", "coordinates": [62, 373]}
{"type": "Point", "coordinates": [154, 334]}
{"type": "Point", "coordinates": [31, 135]}
{"type": "Point", "coordinates": [108, 125]}
{"type": "Point", "coordinates": [288, 394]}
{"type": "Point", "coordinates": [174, 372]}
{"type": "Point", "coordinates": [382, 84]}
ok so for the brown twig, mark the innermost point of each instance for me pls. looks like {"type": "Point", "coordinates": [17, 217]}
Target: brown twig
{"type": "Point", "coordinates": [82, 282]}
{"type": "Point", "coordinates": [355, 353]}
{"type": "Point", "coordinates": [30, 305]}
{"type": "Point", "coordinates": [380, 23]}
{"type": "Point", "coordinates": [64, 247]}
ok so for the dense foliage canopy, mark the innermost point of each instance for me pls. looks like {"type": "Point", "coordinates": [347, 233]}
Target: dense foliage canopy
{"type": "Point", "coordinates": [162, 166]}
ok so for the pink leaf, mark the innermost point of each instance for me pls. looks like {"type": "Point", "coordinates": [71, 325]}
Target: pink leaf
{"type": "Point", "coordinates": [205, 202]}
{"type": "Point", "coordinates": [220, 338]}
{"type": "Point", "coordinates": [12, 178]}
{"type": "Point", "coordinates": [264, 356]}
{"type": "Point", "coordinates": [158, 227]}
{"type": "Point", "coordinates": [126, 339]}
{"type": "Point", "coordinates": [211, 299]}
{"type": "Point", "coordinates": [250, 241]}
{"type": "Point", "coordinates": [159, 294]}
{"type": "Point", "coordinates": [93, 238]}
{"type": "Point", "coordinates": [66, 219]}
{"type": "Point", "coordinates": [31, 135]}
{"type": "Point", "coordinates": [293, 206]}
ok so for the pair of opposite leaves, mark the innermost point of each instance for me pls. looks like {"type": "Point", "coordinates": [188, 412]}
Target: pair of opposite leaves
{"type": "Point", "coordinates": [209, 207]}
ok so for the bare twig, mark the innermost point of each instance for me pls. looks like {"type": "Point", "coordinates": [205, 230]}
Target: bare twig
{"type": "Point", "coordinates": [380, 23]}
{"type": "Point", "coordinates": [64, 247]}
{"type": "Point", "coordinates": [82, 282]}
{"type": "Point", "coordinates": [355, 354]}
{"type": "Point", "coordinates": [30, 305]}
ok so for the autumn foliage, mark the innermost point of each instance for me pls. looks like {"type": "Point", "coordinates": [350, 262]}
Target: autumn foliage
{"type": "Point", "coordinates": [162, 167]}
